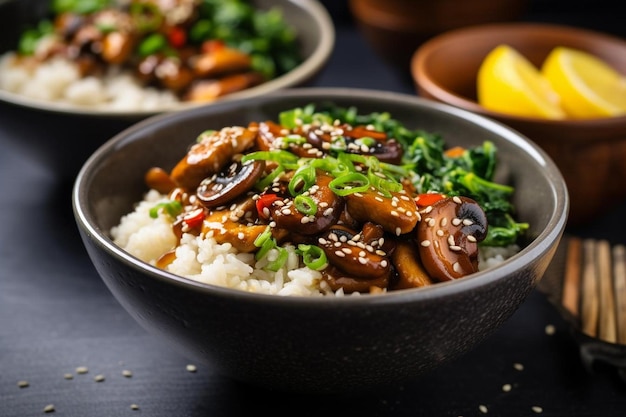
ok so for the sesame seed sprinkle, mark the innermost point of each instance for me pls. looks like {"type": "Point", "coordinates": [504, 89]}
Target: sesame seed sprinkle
{"type": "Point", "coordinates": [191, 368]}
{"type": "Point", "coordinates": [340, 254]}
{"type": "Point", "coordinates": [457, 200]}
{"type": "Point", "coordinates": [483, 409]}
{"type": "Point", "coordinates": [536, 409]}
{"type": "Point", "coordinates": [82, 370]}
{"type": "Point", "coordinates": [99, 378]}
{"type": "Point", "coordinates": [425, 243]}
{"type": "Point", "coordinates": [22, 384]}
{"type": "Point", "coordinates": [49, 408]}
{"type": "Point", "coordinates": [506, 387]}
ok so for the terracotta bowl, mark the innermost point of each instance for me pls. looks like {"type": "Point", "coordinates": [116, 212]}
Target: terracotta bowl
{"type": "Point", "coordinates": [61, 137]}
{"type": "Point", "coordinates": [395, 28]}
{"type": "Point", "coordinates": [589, 153]}
{"type": "Point", "coordinates": [317, 344]}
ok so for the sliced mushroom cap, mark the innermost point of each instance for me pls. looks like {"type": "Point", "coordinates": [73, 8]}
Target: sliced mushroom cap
{"type": "Point", "coordinates": [396, 214]}
{"type": "Point", "coordinates": [410, 272]}
{"type": "Point", "coordinates": [448, 237]}
{"type": "Point", "coordinates": [337, 279]}
{"type": "Point", "coordinates": [211, 154]}
{"type": "Point", "coordinates": [348, 252]}
{"type": "Point", "coordinates": [230, 183]}
{"type": "Point", "coordinates": [328, 209]}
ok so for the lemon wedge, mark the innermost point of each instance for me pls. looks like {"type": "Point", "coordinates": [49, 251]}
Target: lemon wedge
{"type": "Point", "coordinates": [588, 86]}
{"type": "Point", "coordinates": [509, 83]}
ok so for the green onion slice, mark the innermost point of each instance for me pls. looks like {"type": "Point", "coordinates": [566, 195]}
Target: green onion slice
{"type": "Point", "coordinates": [305, 205]}
{"type": "Point", "coordinates": [349, 184]}
{"type": "Point", "coordinates": [313, 256]}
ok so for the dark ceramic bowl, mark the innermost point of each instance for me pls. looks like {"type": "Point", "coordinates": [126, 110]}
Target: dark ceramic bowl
{"type": "Point", "coordinates": [318, 344]}
{"type": "Point", "coordinates": [445, 69]}
{"type": "Point", "coordinates": [62, 137]}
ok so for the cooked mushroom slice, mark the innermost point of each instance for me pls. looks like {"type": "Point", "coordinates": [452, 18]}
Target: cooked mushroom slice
{"type": "Point", "coordinates": [158, 179]}
{"type": "Point", "coordinates": [448, 237]}
{"type": "Point", "coordinates": [235, 226]}
{"type": "Point", "coordinates": [337, 279]}
{"type": "Point", "coordinates": [396, 214]}
{"type": "Point", "coordinates": [314, 211]}
{"type": "Point", "coordinates": [409, 269]}
{"type": "Point", "coordinates": [220, 61]}
{"type": "Point", "coordinates": [117, 47]}
{"type": "Point", "coordinates": [211, 154]}
{"type": "Point", "coordinates": [230, 183]}
{"type": "Point", "coordinates": [212, 89]}
{"type": "Point", "coordinates": [355, 259]}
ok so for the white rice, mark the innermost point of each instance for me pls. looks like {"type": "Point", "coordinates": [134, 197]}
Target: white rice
{"type": "Point", "coordinates": [58, 80]}
{"type": "Point", "coordinates": [202, 259]}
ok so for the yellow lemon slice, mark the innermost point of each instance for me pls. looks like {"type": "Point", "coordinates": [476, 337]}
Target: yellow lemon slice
{"type": "Point", "coordinates": [509, 83]}
{"type": "Point", "coordinates": [588, 86]}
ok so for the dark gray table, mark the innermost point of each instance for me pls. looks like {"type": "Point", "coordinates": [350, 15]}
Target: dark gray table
{"type": "Point", "coordinates": [56, 315]}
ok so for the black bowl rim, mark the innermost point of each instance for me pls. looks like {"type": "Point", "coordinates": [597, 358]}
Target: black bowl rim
{"type": "Point", "coordinates": [449, 97]}
{"type": "Point", "coordinates": [535, 249]}
{"type": "Point", "coordinates": [299, 75]}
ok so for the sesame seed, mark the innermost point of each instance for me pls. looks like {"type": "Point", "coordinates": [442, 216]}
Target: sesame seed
{"type": "Point", "coordinates": [550, 329]}
{"type": "Point", "coordinates": [456, 221]}
{"type": "Point", "coordinates": [380, 252]}
{"type": "Point", "coordinates": [340, 254]}
{"type": "Point", "coordinates": [134, 407]}
{"type": "Point", "coordinates": [451, 240]}
{"type": "Point", "coordinates": [431, 222]}
{"type": "Point", "coordinates": [362, 260]}
{"type": "Point", "coordinates": [427, 210]}
{"type": "Point", "coordinates": [346, 250]}
{"type": "Point", "coordinates": [398, 231]}
{"type": "Point", "coordinates": [471, 238]}
{"type": "Point", "coordinates": [506, 387]}
{"type": "Point", "coordinates": [518, 366]}
{"type": "Point", "coordinates": [22, 384]}
{"type": "Point", "coordinates": [82, 370]}
{"type": "Point", "coordinates": [467, 222]}
{"type": "Point", "coordinates": [456, 267]}
{"type": "Point", "coordinates": [384, 263]}
{"type": "Point", "coordinates": [457, 200]}
{"type": "Point", "coordinates": [49, 408]}
{"type": "Point", "coordinates": [322, 241]}
{"type": "Point", "coordinates": [127, 373]}
{"type": "Point", "coordinates": [425, 243]}
{"type": "Point", "coordinates": [240, 235]}
{"type": "Point", "coordinates": [455, 248]}
{"type": "Point", "coordinates": [394, 213]}
{"type": "Point", "coordinates": [379, 199]}
{"type": "Point", "coordinates": [98, 378]}
{"type": "Point", "coordinates": [483, 409]}
{"type": "Point", "coordinates": [444, 222]}
{"type": "Point", "coordinates": [68, 376]}
{"type": "Point", "coordinates": [440, 233]}
{"type": "Point", "coordinates": [191, 368]}
{"type": "Point", "coordinates": [537, 409]}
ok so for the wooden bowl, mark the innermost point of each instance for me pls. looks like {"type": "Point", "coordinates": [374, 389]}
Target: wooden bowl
{"type": "Point", "coordinates": [395, 28]}
{"type": "Point", "coordinates": [590, 153]}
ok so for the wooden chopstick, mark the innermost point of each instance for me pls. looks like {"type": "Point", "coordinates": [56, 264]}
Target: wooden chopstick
{"type": "Point", "coordinates": [619, 272]}
{"type": "Point", "coordinates": [570, 297]}
{"type": "Point", "coordinates": [607, 321]}
{"type": "Point", "coordinates": [589, 299]}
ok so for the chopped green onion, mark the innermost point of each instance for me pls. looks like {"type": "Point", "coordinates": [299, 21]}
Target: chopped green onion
{"type": "Point", "coordinates": [172, 208]}
{"type": "Point", "coordinates": [384, 183]}
{"type": "Point", "coordinates": [302, 179]}
{"type": "Point", "coordinates": [261, 238]}
{"type": "Point", "coordinates": [282, 157]}
{"type": "Point", "coordinates": [313, 256]}
{"type": "Point", "coordinates": [152, 44]}
{"type": "Point", "coordinates": [349, 184]}
{"type": "Point", "coordinates": [269, 178]}
{"type": "Point", "coordinates": [305, 205]}
{"type": "Point", "coordinates": [278, 263]}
